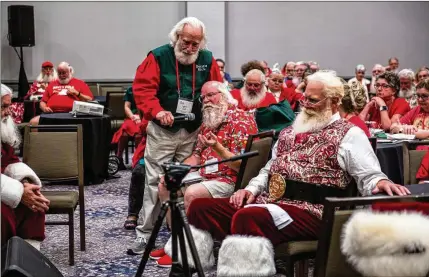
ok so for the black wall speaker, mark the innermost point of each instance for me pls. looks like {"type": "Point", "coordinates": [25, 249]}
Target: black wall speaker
{"type": "Point", "coordinates": [21, 26]}
{"type": "Point", "coordinates": [23, 260]}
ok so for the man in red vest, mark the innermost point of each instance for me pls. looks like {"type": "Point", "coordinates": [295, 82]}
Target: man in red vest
{"type": "Point", "coordinates": [167, 84]}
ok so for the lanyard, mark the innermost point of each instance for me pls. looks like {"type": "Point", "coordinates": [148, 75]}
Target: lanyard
{"type": "Point", "coordinates": [178, 81]}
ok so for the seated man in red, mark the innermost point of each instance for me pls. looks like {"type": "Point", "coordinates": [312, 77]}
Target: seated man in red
{"type": "Point", "coordinates": [61, 93]}
{"type": "Point", "coordinates": [23, 207]}
{"type": "Point", "coordinates": [130, 127]}
{"type": "Point", "coordinates": [253, 94]}
{"type": "Point", "coordinates": [47, 75]}
{"type": "Point", "coordinates": [319, 148]}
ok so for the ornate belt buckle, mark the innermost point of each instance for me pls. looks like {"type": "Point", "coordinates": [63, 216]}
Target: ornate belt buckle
{"type": "Point", "coordinates": [277, 187]}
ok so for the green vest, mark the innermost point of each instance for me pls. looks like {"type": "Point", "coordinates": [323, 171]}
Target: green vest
{"type": "Point", "coordinates": [274, 117]}
{"type": "Point", "coordinates": [129, 96]}
{"type": "Point", "coordinates": [167, 93]}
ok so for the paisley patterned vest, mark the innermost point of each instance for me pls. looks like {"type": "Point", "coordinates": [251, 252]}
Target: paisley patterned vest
{"type": "Point", "coordinates": [310, 158]}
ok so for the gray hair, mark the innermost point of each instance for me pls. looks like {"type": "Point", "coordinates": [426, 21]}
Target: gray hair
{"type": "Point", "coordinates": [5, 90]}
{"type": "Point", "coordinates": [407, 73]}
{"type": "Point", "coordinates": [360, 67]}
{"type": "Point", "coordinates": [254, 72]}
{"type": "Point", "coordinates": [193, 22]}
{"type": "Point", "coordinates": [332, 85]}
{"type": "Point", "coordinates": [67, 66]}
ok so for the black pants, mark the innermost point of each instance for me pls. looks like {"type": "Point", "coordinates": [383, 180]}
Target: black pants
{"type": "Point", "coordinates": [136, 192]}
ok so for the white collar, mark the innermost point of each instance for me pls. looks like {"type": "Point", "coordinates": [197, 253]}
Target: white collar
{"type": "Point", "coordinates": [335, 117]}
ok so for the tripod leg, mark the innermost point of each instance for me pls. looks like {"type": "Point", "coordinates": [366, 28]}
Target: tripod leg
{"type": "Point", "coordinates": [152, 239]}
{"type": "Point", "coordinates": [190, 238]}
{"type": "Point", "coordinates": [177, 231]}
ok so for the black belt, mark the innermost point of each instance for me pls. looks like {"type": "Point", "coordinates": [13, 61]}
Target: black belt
{"type": "Point", "coordinates": [313, 193]}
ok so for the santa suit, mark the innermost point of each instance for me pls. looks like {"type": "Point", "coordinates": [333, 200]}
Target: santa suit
{"type": "Point", "coordinates": [16, 218]}
{"type": "Point", "coordinates": [269, 99]}
{"type": "Point", "coordinates": [56, 97]}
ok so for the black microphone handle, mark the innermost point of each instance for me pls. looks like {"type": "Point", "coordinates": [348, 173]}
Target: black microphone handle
{"type": "Point", "coordinates": [235, 158]}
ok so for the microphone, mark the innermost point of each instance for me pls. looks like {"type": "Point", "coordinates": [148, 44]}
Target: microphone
{"type": "Point", "coordinates": [184, 117]}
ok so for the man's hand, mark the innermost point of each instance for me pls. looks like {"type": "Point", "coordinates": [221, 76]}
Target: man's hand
{"type": "Point", "coordinates": [409, 129]}
{"type": "Point", "coordinates": [209, 140]}
{"type": "Point", "coordinates": [166, 118]}
{"type": "Point", "coordinates": [136, 118]}
{"type": "Point", "coordinates": [390, 188]}
{"type": "Point", "coordinates": [241, 197]}
{"type": "Point", "coordinates": [47, 110]}
{"type": "Point", "coordinates": [72, 91]}
{"type": "Point", "coordinates": [33, 199]}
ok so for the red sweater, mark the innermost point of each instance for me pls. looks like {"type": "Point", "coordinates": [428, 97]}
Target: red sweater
{"type": "Point", "coordinates": [146, 85]}
{"type": "Point", "coordinates": [359, 123]}
{"type": "Point", "coordinates": [267, 101]}
{"type": "Point", "coordinates": [64, 103]}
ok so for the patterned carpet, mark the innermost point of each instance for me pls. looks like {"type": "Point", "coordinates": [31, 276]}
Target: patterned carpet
{"type": "Point", "coordinates": [106, 239]}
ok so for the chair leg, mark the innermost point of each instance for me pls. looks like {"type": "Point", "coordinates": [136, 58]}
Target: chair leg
{"type": "Point", "coordinates": [302, 268]}
{"type": "Point", "coordinates": [126, 153]}
{"type": "Point", "coordinates": [82, 227]}
{"type": "Point", "coordinates": [71, 237]}
{"type": "Point", "coordinates": [290, 268]}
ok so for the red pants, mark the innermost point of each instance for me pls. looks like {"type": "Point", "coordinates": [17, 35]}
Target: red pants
{"type": "Point", "coordinates": [129, 127]}
{"type": "Point", "coordinates": [21, 222]}
{"type": "Point", "coordinates": [220, 218]}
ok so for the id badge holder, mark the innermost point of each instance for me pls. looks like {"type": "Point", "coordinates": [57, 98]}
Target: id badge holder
{"type": "Point", "coordinates": [184, 106]}
{"type": "Point", "coordinates": [212, 168]}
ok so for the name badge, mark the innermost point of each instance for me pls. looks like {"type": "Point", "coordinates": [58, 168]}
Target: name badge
{"type": "Point", "coordinates": [184, 106]}
{"type": "Point", "coordinates": [212, 168]}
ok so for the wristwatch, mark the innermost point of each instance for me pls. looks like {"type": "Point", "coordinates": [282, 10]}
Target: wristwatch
{"type": "Point", "coordinates": [383, 108]}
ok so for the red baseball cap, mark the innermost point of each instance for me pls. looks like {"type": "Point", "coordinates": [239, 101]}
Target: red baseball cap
{"type": "Point", "coordinates": [47, 64]}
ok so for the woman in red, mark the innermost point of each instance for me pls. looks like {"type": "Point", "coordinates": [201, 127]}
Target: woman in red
{"type": "Point", "coordinates": [386, 107]}
{"type": "Point", "coordinates": [353, 102]}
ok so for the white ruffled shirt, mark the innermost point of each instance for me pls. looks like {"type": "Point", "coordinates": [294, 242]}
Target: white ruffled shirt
{"type": "Point", "coordinates": [355, 155]}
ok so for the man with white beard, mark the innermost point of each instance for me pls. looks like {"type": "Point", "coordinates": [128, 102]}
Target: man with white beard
{"type": "Point", "coordinates": [23, 206]}
{"type": "Point", "coordinates": [407, 87]}
{"type": "Point", "coordinates": [47, 75]}
{"type": "Point", "coordinates": [223, 134]}
{"type": "Point", "coordinates": [376, 70]}
{"type": "Point", "coordinates": [300, 69]}
{"type": "Point", "coordinates": [316, 157]}
{"type": "Point", "coordinates": [61, 93]}
{"type": "Point", "coordinates": [253, 94]}
{"type": "Point", "coordinates": [168, 83]}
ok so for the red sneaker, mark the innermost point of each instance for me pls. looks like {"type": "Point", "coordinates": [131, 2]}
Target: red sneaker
{"type": "Point", "coordinates": [164, 261]}
{"type": "Point", "coordinates": [157, 254]}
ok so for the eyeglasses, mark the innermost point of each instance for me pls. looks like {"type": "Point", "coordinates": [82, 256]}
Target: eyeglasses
{"type": "Point", "coordinates": [279, 81]}
{"type": "Point", "coordinates": [424, 97]}
{"type": "Point", "coordinates": [252, 85]}
{"type": "Point", "coordinates": [423, 76]}
{"type": "Point", "coordinates": [311, 102]}
{"type": "Point", "coordinates": [208, 96]}
{"type": "Point", "coordinates": [384, 86]}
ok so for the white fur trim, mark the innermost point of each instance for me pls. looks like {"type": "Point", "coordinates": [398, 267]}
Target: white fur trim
{"type": "Point", "coordinates": [387, 244]}
{"type": "Point", "coordinates": [204, 243]}
{"type": "Point", "coordinates": [19, 171]}
{"type": "Point", "coordinates": [246, 256]}
{"type": "Point", "coordinates": [11, 191]}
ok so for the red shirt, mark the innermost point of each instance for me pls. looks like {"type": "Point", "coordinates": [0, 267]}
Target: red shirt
{"type": "Point", "coordinates": [232, 133]}
{"type": "Point", "coordinates": [268, 100]}
{"type": "Point", "coordinates": [416, 117]}
{"type": "Point", "coordinates": [146, 85]}
{"type": "Point", "coordinates": [37, 88]}
{"type": "Point", "coordinates": [64, 103]}
{"type": "Point", "coordinates": [423, 172]}
{"type": "Point", "coordinates": [291, 96]}
{"type": "Point", "coordinates": [359, 123]}
{"type": "Point", "coordinates": [398, 106]}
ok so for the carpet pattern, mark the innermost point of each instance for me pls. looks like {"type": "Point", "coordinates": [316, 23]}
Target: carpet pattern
{"type": "Point", "coordinates": [106, 239]}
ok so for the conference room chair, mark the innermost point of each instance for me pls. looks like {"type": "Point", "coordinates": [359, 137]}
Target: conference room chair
{"type": "Point", "coordinates": [412, 159]}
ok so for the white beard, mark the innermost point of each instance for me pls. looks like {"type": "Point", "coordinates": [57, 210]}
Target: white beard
{"type": "Point", "coordinates": [65, 81]}
{"type": "Point", "coordinates": [251, 101]}
{"type": "Point", "coordinates": [296, 81]}
{"type": "Point", "coordinates": [407, 93]}
{"type": "Point", "coordinates": [10, 133]}
{"type": "Point", "coordinates": [184, 58]}
{"type": "Point", "coordinates": [213, 115]}
{"type": "Point", "coordinates": [42, 78]}
{"type": "Point", "coordinates": [308, 121]}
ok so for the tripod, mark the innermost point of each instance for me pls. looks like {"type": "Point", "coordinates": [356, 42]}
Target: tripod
{"type": "Point", "coordinates": [174, 174]}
